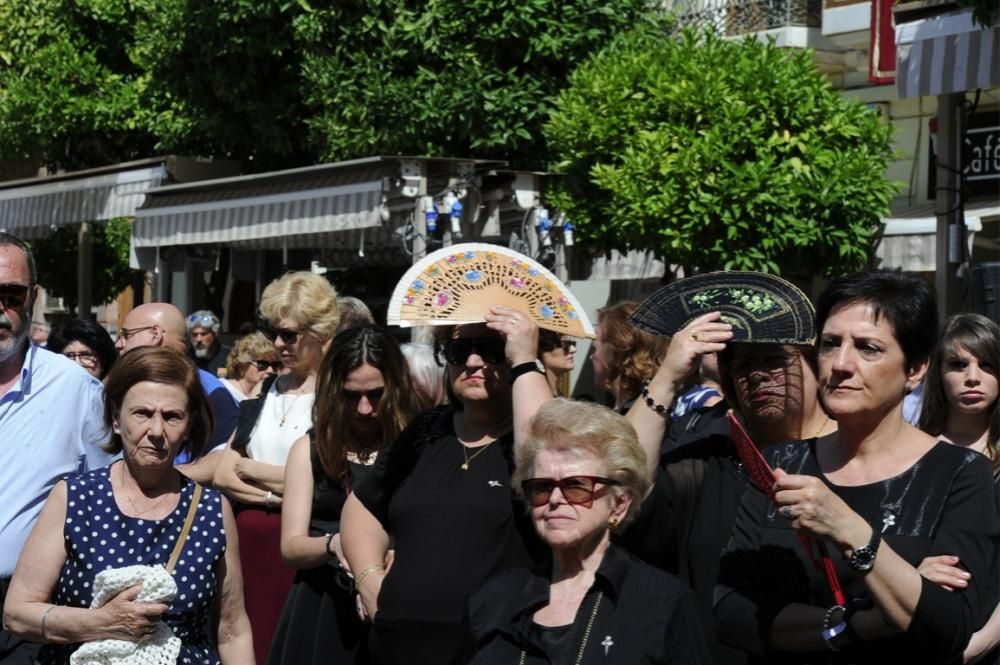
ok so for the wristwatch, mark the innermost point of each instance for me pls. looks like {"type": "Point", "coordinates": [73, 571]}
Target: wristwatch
{"type": "Point", "coordinates": [524, 368]}
{"type": "Point", "coordinates": [863, 558]}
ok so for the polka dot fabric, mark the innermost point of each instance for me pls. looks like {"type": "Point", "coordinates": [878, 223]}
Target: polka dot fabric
{"type": "Point", "coordinates": [98, 537]}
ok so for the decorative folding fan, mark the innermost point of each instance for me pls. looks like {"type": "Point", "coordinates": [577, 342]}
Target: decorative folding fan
{"type": "Point", "coordinates": [458, 284]}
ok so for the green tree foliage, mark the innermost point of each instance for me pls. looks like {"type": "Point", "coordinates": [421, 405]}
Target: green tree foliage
{"type": "Point", "coordinates": [447, 77]}
{"type": "Point", "coordinates": [720, 155]}
{"type": "Point", "coordinates": [279, 83]}
{"type": "Point", "coordinates": [92, 82]}
{"type": "Point", "coordinates": [56, 258]}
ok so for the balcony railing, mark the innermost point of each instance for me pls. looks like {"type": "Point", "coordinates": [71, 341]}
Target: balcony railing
{"type": "Point", "coordinates": [741, 17]}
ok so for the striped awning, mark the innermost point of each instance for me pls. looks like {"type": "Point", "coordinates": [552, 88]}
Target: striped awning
{"type": "Point", "coordinates": [260, 209]}
{"type": "Point", "coordinates": [33, 208]}
{"type": "Point", "coordinates": [945, 54]}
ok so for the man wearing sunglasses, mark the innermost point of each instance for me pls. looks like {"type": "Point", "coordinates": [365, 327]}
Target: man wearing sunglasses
{"type": "Point", "coordinates": [162, 324]}
{"type": "Point", "coordinates": [51, 421]}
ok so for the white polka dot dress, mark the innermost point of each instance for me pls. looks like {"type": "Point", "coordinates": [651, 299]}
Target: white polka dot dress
{"type": "Point", "coordinates": [98, 536]}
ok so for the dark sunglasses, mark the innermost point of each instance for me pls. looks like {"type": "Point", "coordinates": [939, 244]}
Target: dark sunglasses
{"type": "Point", "coordinates": [568, 344]}
{"type": "Point", "coordinates": [490, 349]}
{"type": "Point", "coordinates": [287, 335]}
{"type": "Point", "coordinates": [262, 365]}
{"type": "Point", "coordinates": [373, 395]}
{"type": "Point", "coordinates": [13, 295]}
{"type": "Point", "coordinates": [577, 490]}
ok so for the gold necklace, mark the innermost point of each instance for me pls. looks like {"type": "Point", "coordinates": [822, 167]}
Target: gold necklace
{"type": "Point", "coordinates": [469, 458]}
{"type": "Point", "coordinates": [135, 510]}
{"type": "Point", "coordinates": [286, 411]}
{"type": "Point", "coordinates": [819, 429]}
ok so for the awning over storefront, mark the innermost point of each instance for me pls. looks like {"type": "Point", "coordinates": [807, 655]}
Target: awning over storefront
{"type": "Point", "coordinates": [338, 205]}
{"type": "Point", "coordinates": [910, 237]}
{"type": "Point", "coordinates": [945, 54]}
{"type": "Point", "coordinates": [33, 208]}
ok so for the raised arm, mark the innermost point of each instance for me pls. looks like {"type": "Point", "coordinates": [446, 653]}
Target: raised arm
{"type": "Point", "coordinates": [29, 612]}
{"type": "Point", "coordinates": [706, 334]}
{"type": "Point", "coordinates": [530, 390]}
{"type": "Point", "coordinates": [235, 638]}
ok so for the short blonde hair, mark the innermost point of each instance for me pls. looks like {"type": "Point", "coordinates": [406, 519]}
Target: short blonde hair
{"type": "Point", "coordinates": [247, 349]}
{"type": "Point", "coordinates": [307, 298]}
{"type": "Point", "coordinates": [588, 429]}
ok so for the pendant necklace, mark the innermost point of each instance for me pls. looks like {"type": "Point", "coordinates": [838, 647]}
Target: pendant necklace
{"type": "Point", "coordinates": [468, 457]}
{"type": "Point", "coordinates": [131, 502]}
{"type": "Point", "coordinates": [287, 410]}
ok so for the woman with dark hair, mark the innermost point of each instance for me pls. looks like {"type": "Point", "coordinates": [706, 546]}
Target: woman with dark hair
{"type": "Point", "coordinates": [86, 343]}
{"type": "Point", "coordinates": [442, 490]}
{"type": "Point", "coordinates": [960, 391]}
{"type": "Point", "coordinates": [558, 355]}
{"type": "Point", "coordinates": [364, 400]}
{"type": "Point", "coordinates": [960, 406]}
{"type": "Point", "coordinates": [879, 493]}
{"type": "Point", "coordinates": [132, 513]}
{"type": "Point", "coordinates": [623, 356]}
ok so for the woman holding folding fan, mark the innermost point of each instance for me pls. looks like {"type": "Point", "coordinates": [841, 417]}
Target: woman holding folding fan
{"type": "Point", "coordinates": [881, 496]}
{"type": "Point", "coordinates": [443, 489]}
{"type": "Point", "coordinates": [767, 362]}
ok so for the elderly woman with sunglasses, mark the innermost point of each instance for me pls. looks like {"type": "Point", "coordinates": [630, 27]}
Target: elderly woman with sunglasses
{"type": "Point", "coordinates": [443, 491]}
{"type": "Point", "coordinates": [583, 474]}
{"type": "Point", "coordinates": [251, 361]}
{"type": "Point", "coordinates": [302, 315]}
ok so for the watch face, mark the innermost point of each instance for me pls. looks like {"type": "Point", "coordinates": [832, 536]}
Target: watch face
{"type": "Point", "coordinates": [863, 558]}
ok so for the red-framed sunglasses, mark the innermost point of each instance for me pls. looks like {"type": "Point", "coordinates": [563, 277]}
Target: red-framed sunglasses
{"type": "Point", "coordinates": [577, 490]}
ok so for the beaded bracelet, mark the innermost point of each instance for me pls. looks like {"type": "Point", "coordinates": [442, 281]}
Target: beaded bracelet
{"type": "Point", "coordinates": [831, 632]}
{"type": "Point", "coordinates": [653, 404]}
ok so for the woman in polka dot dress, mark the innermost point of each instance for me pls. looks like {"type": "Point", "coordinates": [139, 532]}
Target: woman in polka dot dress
{"type": "Point", "coordinates": [131, 513]}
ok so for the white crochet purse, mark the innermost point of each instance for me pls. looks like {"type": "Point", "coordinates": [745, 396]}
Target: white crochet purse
{"type": "Point", "coordinates": [158, 586]}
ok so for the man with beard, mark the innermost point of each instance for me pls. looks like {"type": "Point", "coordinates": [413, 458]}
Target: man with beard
{"type": "Point", "coordinates": [162, 324]}
{"type": "Point", "coordinates": [207, 351]}
{"type": "Point", "coordinates": [51, 422]}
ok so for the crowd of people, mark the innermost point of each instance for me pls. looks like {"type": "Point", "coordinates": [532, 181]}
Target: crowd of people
{"type": "Point", "coordinates": [320, 493]}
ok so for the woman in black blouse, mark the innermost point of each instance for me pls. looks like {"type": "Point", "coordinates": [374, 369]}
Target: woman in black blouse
{"type": "Point", "coordinates": [582, 474]}
{"type": "Point", "coordinates": [879, 493]}
{"type": "Point", "coordinates": [442, 491]}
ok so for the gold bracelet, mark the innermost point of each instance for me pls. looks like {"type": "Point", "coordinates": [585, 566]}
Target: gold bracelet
{"type": "Point", "coordinates": [45, 616]}
{"type": "Point", "coordinates": [365, 573]}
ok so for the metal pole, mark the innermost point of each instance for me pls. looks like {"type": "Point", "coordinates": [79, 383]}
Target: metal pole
{"type": "Point", "coordinates": [949, 209]}
{"type": "Point", "coordinates": [84, 270]}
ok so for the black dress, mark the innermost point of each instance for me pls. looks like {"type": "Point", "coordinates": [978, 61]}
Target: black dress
{"type": "Point", "coordinates": [943, 504]}
{"type": "Point", "coordinates": [685, 522]}
{"type": "Point", "coordinates": [319, 624]}
{"type": "Point", "coordinates": [452, 529]}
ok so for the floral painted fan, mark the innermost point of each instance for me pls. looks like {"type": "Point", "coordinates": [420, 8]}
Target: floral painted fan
{"type": "Point", "coordinates": [458, 284]}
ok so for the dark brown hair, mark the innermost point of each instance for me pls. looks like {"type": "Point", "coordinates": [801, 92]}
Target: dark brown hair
{"type": "Point", "coordinates": [981, 338]}
{"type": "Point", "coordinates": [165, 365]}
{"type": "Point", "coordinates": [351, 349]}
{"type": "Point", "coordinates": [632, 355]}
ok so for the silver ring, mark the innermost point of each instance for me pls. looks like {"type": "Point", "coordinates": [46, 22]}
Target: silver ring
{"type": "Point", "coordinates": [513, 321]}
{"type": "Point", "coordinates": [788, 512]}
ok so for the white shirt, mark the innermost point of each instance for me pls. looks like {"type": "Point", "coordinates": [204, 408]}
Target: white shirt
{"type": "Point", "coordinates": [283, 419]}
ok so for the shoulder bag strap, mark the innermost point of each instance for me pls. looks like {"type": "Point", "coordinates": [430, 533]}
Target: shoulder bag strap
{"type": "Point", "coordinates": [188, 521]}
